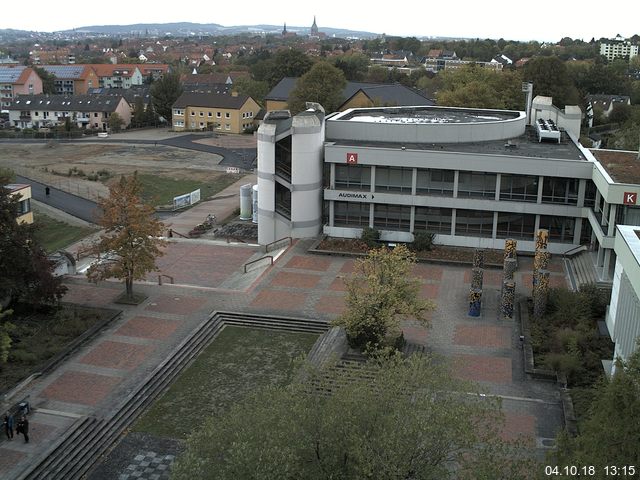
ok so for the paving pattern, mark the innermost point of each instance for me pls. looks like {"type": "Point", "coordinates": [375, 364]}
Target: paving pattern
{"type": "Point", "coordinates": [95, 379]}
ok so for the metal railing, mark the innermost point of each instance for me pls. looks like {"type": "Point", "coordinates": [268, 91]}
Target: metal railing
{"type": "Point", "coordinates": [270, 257]}
{"type": "Point", "coordinates": [266, 247]}
{"type": "Point", "coordinates": [163, 275]}
{"type": "Point", "coordinates": [574, 250]}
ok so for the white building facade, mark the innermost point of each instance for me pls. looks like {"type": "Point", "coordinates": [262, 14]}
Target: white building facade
{"type": "Point", "coordinates": [618, 48]}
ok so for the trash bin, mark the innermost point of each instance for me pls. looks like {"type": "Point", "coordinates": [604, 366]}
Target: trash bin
{"type": "Point", "coordinates": [24, 408]}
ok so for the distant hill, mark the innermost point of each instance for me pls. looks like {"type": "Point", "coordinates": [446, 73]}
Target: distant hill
{"type": "Point", "coordinates": [186, 29]}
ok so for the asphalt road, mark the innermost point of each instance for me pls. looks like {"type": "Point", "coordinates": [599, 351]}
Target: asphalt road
{"type": "Point", "coordinates": [72, 204]}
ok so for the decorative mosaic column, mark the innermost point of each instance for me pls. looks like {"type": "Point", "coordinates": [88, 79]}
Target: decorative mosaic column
{"type": "Point", "coordinates": [509, 269]}
{"type": "Point", "coordinates": [508, 298]}
{"type": "Point", "coordinates": [541, 294]}
{"type": "Point", "coordinates": [542, 239]}
{"type": "Point", "coordinates": [510, 246]}
{"type": "Point", "coordinates": [475, 302]}
{"type": "Point", "coordinates": [477, 275]}
{"type": "Point", "coordinates": [478, 258]}
{"type": "Point", "coordinates": [540, 262]}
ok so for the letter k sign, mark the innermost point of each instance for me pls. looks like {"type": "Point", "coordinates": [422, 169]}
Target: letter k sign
{"type": "Point", "coordinates": [630, 198]}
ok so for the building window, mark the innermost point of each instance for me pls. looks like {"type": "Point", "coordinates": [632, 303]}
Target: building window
{"type": "Point", "coordinates": [432, 219]}
{"type": "Point", "coordinates": [590, 194]}
{"type": "Point", "coordinates": [227, 115]}
{"type": "Point", "coordinates": [201, 124]}
{"type": "Point", "coordinates": [24, 206]}
{"type": "Point", "coordinates": [227, 126]}
{"type": "Point", "coordinates": [178, 112]}
{"type": "Point", "coordinates": [209, 114]}
{"type": "Point", "coordinates": [353, 177]}
{"type": "Point", "coordinates": [474, 223]}
{"type": "Point", "coordinates": [283, 201]}
{"type": "Point", "coordinates": [521, 188]}
{"type": "Point", "coordinates": [193, 124]}
{"type": "Point", "coordinates": [392, 217]}
{"type": "Point", "coordinates": [218, 115]}
{"type": "Point", "coordinates": [515, 225]}
{"type": "Point", "coordinates": [477, 185]}
{"type": "Point", "coordinates": [202, 114]}
{"type": "Point", "coordinates": [193, 114]}
{"type": "Point", "coordinates": [348, 214]}
{"type": "Point", "coordinates": [435, 182]}
{"type": "Point", "coordinates": [560, 228]}
{"type": "Point", "coordinates": [560, 190]}
{"type": "Point", "coordinates": [394, 179]}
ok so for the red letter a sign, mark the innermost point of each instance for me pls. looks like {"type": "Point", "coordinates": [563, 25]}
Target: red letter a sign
{"type": "Point", "coordinates": [352, 158]}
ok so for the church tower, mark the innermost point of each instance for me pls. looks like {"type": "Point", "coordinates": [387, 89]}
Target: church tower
{"type": "Point", "coordinates": [314, 28]}
{"type": "Point", "coordinates": [284, 31]}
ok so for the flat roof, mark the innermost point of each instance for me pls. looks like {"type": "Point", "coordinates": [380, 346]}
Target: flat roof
{"type": "Point", "coordinates": [14, 187]}
{"type": "Point", "coordinates": [622, 166]}
{"type": "Point", "coordinates": [426, 115]}
{"type": "Point", "coordinates": [526, 145]}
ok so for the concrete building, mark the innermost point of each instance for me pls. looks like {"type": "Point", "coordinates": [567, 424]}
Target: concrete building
{"type": "Point", "coordinates": [618, 48]}
{"type": "Point", "coordinates": [623, 314]}
{"type": "Point", "coordinates": [230, 113]}
{"type": "Point", "coordinates": [118, 75]}
{"type": "Point", "coordinates": [473, 177]}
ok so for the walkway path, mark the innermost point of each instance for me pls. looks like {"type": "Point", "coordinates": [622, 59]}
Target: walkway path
{"type": "Point", "coordinates": [98, 376]}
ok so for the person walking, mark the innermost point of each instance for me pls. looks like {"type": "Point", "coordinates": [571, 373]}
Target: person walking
{"type": "Point", "coordinates": [8, 425]}
{"type": "Point", "coordinates": [23, 428]}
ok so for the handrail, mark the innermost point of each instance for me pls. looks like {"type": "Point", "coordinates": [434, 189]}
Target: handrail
{"type": "Point", "coordinates": [573, 250]}
{"type": "Point", "coordinates": [172, 231]}
{"type": "Point", "coordinates": [266, 247]}
{"type": "Point", "coordinates": [270, 257]}
{"type": "Point", "coordinates": [233, 237]}
{"type": "Point", "coordinates": [164, 275]}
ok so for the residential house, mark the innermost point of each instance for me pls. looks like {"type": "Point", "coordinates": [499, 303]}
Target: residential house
{"type": "Point", "coordinates": [155, 71]}
{"type": "Point", "coordinates": [356, 94]}
{"type": "Point", "coordinates": [18, 80]}
{"type": "Point", "coordinates": [438, 60]}
{"type": "Point", "coordinates": [118, 75]}
{"type": "Point", "coordinates": [230, 113]}
{"type": "Point", "coordinates": [85, 111]}
{"type": "Point", "coordinates": [23, 194]}
{"type": "Point", "coordinates": [618, 47]}
{"type": "Point", "coordinates": [604, 104]}
{"type": "Point", "coordinates": [72, 79]}
{"type": "Point", "coordinates": [502, 59]}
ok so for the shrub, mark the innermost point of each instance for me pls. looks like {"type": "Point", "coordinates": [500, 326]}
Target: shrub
{"type": "Point", "coordinates": [370, 236]}
{"type": "Point", "coordinates": [423, 241]}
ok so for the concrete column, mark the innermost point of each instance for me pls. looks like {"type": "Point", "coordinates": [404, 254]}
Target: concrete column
{"type": "Point", "coordinates": [605, 214]}
{"type": "Point", "coordinates": [453, 222]}
{"type": "Point", "coordinates": [600, 257]}
{"type": "Point", "coordinates": [412, 218]}
{"type": "Point", "coordinates": [332, 177]}
{"type": "Point", "coordinates": [494, 230]}
{"type": "Point", "coordinates": [606, 263]}
{"type": "Point", "coordinates": [611, 231]}
{"type": "Point", "coordinates": [577, 230]}
{"type": "Point", "coordinates": [536, 225]}
{"type": "Point", "coordinates": [414, 182]}
{"type": "Point", "coordinates": [498, 180]}
{"type": "Point", "coordinates": [456, 177]}
{"type": "Point", "coordinates": [582, 189]}
{"type": "Point", "coordinates": [371, 215]}
{"type": "Point", "coordinates": [540, 185]}
{"type": "Point", "coordinates": [373, 180]}
{"type": "Point", "coordinates": [331, 212]}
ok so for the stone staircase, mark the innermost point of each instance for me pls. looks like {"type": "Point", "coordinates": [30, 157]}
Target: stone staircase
{"type": "Point", "coordinates": [73, 454]}
{"type": "Point", "coordinates": [583, 272]}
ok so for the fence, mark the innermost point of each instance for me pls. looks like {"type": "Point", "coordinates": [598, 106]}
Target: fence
{"type": "Point", "coordinates": [76, 186]}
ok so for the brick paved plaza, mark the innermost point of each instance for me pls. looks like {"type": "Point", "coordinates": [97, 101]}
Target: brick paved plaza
{"type": "Point", "coordinates": [96, 378]}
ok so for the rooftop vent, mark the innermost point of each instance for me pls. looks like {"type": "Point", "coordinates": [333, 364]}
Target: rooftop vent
{"type": "Point", "coordinates": [277, 115]}
{"type": "Point", "coordinates": [547, 129]}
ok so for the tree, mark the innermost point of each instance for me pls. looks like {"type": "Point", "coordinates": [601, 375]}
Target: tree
{"type": "Point", "coordinates": [610, 435]}
{"type": "Point", "coordinates": [115, 122]}
{"type": "Point", "coordinates": [551, 78]}
{"type": "Point", "coordinates": [285, 63]}
{"type": "Point", "coordinates": [138, 112]}
{"type": "Point", "coordinates": [379, 294]}
{"type": "Point", "coordinates": [323, 84]}
{"type": "Point", "coordinates": [255, 89]}
{"type": "Point", "coordinates": [131, 240]}
{"type": "Point", "coordinates": [26, 274]}
{"type": "Point", "coordinates": [48, 80]}
{"type": "Point", "coordinates": [396, 419]}
{"type": "Point", "coordinates": [150, 115]}
{"type": "Point", "coordinates": [164, 93]}
{"type": "Point", "coordinates": [354, 67]}
{"type": "Point", "coordinates": [6, 328]}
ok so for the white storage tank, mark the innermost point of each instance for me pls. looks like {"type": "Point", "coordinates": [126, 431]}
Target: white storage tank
{"type": "Point", "coordinates": [254, 218]}
{"type": "Point", "coordinates": [245, 202]}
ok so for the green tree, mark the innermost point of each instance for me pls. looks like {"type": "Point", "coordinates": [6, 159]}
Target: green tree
{"type": "Point", "coordinates": [150, 115]}
{"type": "Point", "coordinates": [354, 67]}
{"type": "Point", "coordinates": [26, 274]}
{"type": "Point", "coordinates": [395, 419]}
{"type": "Point", "coordinates": [6, 328]}
{"type": "Point", "coordinates": [477, 87]}
{"type": "Point", "coordinates": [254, 88]}
{"type": "Point", "coordinates": [130, 240]}
{"type": "Point", "coordinates": [323, 84]}
{"type": "Point", "coordinates": [610, 435]}
{"type": "Point", "coordinates": [138, 112]}
{"type": "Point", "coordinates": [48, 80]}
{"type": "Point", "coordinates": [164, 93]}
{"type": "Point", "coordinates": [285, 63]}
{"type": "Point", "coordinates": [380, 293]}
{"type": "Point", "coordinates": [551, 79]}
{"type": "Point", "coordinates": [115, 122]}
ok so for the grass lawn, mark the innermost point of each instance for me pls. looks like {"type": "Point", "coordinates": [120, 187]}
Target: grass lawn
{"type": "Point", "coordinates": [53, 234]}
{"type": "Point", "coordinates": [160, 190]}
{"type": "Point", "coordinates": [39, 336]}
{"type": "Point", "coordinates": [237, 362]}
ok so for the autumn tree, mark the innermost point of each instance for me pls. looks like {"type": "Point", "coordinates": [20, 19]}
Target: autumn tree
{"type": "Point", "coordinates": [380, 293]}
{"type": "Point", "coordinates": [115, 122]}
{"type": "Point", "coordinates": [396, 419]}
{"type": "Point", "coordinates": [26, 274]}
{"type": "Point", "coordinates": [611, 434]}
{"type": "Point", "coordinates": [164, 93]}
{"type": "Point", "coordinates": [130, 243]}
{"type": "Point", "coordinates": [285, 63]}
{"type": "Point", "coordinates": [323, 84]}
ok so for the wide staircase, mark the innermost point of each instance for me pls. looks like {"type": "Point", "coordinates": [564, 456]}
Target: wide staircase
{"type": "Point", "coordinates": [77, 451]}
{"type": "Point", "coordinates": [583, 272]}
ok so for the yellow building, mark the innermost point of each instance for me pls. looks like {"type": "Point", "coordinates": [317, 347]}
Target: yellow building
{"type": "Point", "coordinates": [23, 192]}
{"type": "Point", "coordinates": [228, 113]}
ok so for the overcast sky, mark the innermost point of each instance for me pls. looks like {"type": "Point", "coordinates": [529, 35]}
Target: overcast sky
{"type": "Point", "coordinates": [548, 20]}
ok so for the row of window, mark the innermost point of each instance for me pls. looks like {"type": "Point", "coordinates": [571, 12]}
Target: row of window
{"type": "Point", "coordinates": [439, 182]}
{"type": "Point", "coordinates": [472, 223]}
{"type": "Point", "coordinates": [178, 112]}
